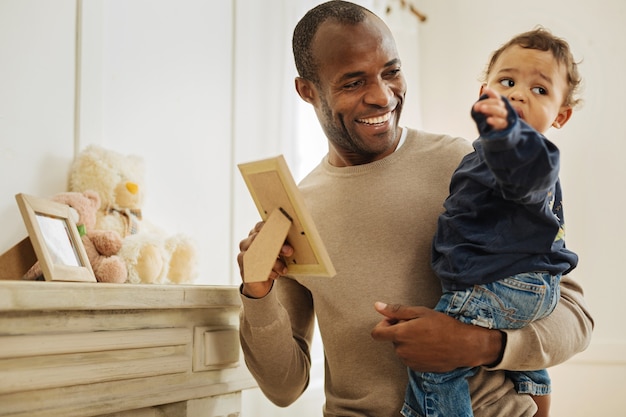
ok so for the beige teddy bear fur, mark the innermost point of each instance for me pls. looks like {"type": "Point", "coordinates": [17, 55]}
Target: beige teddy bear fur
{"type": "Point", "coordinates": [151, 255]}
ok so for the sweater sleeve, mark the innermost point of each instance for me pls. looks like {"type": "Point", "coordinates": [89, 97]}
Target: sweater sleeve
{"type": "Point", "coordinates": [524, 163]}
{"type": "Point", "coordinates": [554, 339]}
{"type": "Point", "coordinates": [275, 334]}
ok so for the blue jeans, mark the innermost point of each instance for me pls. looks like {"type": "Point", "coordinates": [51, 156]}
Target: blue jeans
{"type": "Point", "coordinates": [510, 303]}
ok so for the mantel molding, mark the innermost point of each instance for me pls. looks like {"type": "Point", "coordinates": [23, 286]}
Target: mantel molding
{"type": "Point", "coordinates": [83, 349]}
{"type": "Point", "coordinates": [46, 295]}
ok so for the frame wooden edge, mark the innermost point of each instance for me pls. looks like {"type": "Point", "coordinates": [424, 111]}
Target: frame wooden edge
{"type": "Point", "coordinates": [30, 207]}
{"type": "Point", "coordinates": [300, 215]}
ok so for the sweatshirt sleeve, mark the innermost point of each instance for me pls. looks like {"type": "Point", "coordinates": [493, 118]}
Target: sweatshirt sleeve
{"type": "Point", "coordinates": [275, 333]}
{"type": "Point", "coordinates": [554, 339]}
{"type": "Point", "coordinates": [524, 163]}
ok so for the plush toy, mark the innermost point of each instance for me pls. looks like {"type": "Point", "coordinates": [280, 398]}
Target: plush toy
{"type": "Point", "coordinates": [101, 246]}
{"type": "Point", "coordinates": [151, 255]}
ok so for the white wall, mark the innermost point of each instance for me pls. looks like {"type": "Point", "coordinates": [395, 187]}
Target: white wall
{"type": "Point", "coordinates": [164, 92]}
{"type": "Point", "coordinates": [36, 104]}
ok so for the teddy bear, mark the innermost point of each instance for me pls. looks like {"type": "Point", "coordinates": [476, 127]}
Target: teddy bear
{"type": "Point", "coordinates": [101, 246]}
{"type": "Point", "coordinates": [151, 254]}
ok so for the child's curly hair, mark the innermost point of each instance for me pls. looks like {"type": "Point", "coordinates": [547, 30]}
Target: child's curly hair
{"type": "Point", "coordinates": [543, 40]}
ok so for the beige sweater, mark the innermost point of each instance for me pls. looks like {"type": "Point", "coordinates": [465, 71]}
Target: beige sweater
{"type": "Point", "coordinates": [377, 222]}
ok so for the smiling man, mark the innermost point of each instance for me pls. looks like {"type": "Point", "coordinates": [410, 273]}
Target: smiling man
{"type": "Point", "coordinates": [358, 103]}
{"type": "Point", "coordinates": [375, 199]}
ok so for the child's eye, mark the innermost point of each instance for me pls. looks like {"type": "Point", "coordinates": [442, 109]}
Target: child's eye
{"type": "Point", "coordinates": [539, 90]}
{"type": "Point", "coordinates": [507, 82]}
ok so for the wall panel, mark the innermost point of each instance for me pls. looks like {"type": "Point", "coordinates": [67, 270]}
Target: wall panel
{"type": "Point", "coordinates": [37, 64]}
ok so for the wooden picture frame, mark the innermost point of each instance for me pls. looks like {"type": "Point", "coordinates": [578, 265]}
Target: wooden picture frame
{"type": "Point", "coordinates": [282, 207]}
{"type": "Point", "coordinates": [55, 239]}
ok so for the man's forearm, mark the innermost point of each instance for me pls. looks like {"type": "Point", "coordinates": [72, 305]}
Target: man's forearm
{"type": "Point", "coordinates": [266, 340]}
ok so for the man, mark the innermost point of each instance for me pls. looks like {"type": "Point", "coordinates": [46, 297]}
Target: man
{"type": "Point", "coordinates": [375, 199]}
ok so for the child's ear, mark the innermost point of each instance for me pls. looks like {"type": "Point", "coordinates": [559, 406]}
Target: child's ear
{"type": "Point", "coordinates": [562, 118]}
{"type": "Point", "coordinates": [482, 87]}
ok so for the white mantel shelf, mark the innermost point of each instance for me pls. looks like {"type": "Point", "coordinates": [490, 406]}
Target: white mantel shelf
{"type": "Point", "coordinates": [119, 350]}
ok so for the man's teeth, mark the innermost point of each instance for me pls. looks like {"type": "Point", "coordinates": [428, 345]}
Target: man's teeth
{"type": "Point", "coordinates": [376, 120]}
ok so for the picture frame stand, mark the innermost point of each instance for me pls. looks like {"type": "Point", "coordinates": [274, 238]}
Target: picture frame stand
{"type": "Point", "coordinates": [259, 259]}
{"type": "Point", "coordinates": [16, 261]}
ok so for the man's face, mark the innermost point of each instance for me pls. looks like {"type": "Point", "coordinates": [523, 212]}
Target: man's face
{"type": "Point", "coordinates": [361, 89]}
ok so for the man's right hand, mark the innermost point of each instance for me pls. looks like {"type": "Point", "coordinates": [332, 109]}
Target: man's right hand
{"type": "Point", "coordinates": [261, 289]}
{"type": "Point", "coordinates": [426, 340]}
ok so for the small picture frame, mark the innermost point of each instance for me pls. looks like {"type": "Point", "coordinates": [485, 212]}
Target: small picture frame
{"type": "Point", "coordinates": [55, 239]}
{"type": "Point", "coordinates": [277, 196]}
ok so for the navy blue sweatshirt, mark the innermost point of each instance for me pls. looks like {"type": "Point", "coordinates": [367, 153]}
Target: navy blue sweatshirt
{"type": "Point", "coordinates": [504, 214]}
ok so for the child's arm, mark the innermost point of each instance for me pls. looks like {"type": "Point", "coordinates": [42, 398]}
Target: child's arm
{"type": "Point", "coordinates": [524, 163]}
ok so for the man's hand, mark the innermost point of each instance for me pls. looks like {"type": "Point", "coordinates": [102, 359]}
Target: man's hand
{"type": "Point", "coordinates": [260, 289]}
{"type": "Point", "coordinates": [429, 341]}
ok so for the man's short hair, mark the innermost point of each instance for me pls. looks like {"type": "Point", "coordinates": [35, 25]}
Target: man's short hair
{"type": "Point", "coordinates": [340, 11]}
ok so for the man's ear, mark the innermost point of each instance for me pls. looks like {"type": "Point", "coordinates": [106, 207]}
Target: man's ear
{"type": "Point", "coordinates": [306, 90]}
{"type": "Point", "coordinates": [562, 118]}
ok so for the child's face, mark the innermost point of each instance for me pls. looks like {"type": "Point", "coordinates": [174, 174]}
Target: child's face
{"type": "Point", "coordinates": [535, 84]}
